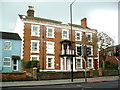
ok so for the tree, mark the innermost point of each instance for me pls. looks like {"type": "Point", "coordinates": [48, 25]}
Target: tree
{"type": "Point", "coordinates": [104, 41]}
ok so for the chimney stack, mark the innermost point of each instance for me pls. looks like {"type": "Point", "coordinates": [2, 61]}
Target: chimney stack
{"type": "Point", "coordinates": [84, 22]}
{"type": "Point", "coordinates": [30, 11]}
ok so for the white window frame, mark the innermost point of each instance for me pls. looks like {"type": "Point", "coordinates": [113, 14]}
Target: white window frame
{"type": "Point", "coordinates": [38, 30]}
{"type": "Point", "coordinates": [81, 62]}
{"type": "Point", "coordinates": [37, 56]}
{"type": "Point", "coordinates": [52, 32]}
{"type": "Point", "coordinates": [50, 51]}
{"type": "Point", "coordinates": [10, 45]}
{"type": "Point", "coordinates": [53, 60]}
{"type": "Point", "coordinates": [77, 36]}
{"type": "Point", "coordinates": [91, 63]}
{"type": "Point", "coordinates": [7, 61]}
{"type": "Point", "coordinates": [76, 48]}
{"type": "Point", "coordinates": [37, 41]}
{"type": "Point", "coordinates": [91, 49]}
{"type": "Point", "coordinates": [67, 38]}
{"type": "Point", "coordinates": [90, 35]}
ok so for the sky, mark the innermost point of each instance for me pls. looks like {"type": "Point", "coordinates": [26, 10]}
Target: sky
{"type": "Point", "coordinates": [101, 14]}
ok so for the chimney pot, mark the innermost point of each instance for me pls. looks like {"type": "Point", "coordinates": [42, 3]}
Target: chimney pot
{"type": "Point", "coordinates": [84, 22]}
{"type": "Point", "coordinates": [30, 11]}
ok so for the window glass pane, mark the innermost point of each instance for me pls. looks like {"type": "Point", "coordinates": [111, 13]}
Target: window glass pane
{"type": "Point", "coordinates": [50, 32]}
{"type": "Point", "coordinates": [50, 47]}
{"type": "Point", "coordinates": [6, 62]}
{"type": "Point", "coordinates": [49, 62]}
{"type": "Point", "coordinates": [14, 61]}
{"type": "Point", "coordinates": [64, 34]}
{"type": "Point", "coordinates": [15, 67]}
{"type": "Point", "coordinates": [35, 30]}
{"type": "Point", "coordinates": [34, 46]}
{"type": "Point", "coordinates": [78, 36]}
{"type": "Point", "coordinates": [7, 45]}
{"type": "Point", "coordinates": [34, 58]}
{"type": "Point", "coordinates": [90, 63]}
{"type": "Point", "coordinates": [78, 63]}
{"type": "Point", "coordinates": [7, 59]}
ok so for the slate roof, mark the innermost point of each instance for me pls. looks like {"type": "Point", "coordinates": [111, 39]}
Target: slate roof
{"type": "Point", "coordinates": [24, 17]}
{"type": "Point", "coordinates": [9, 35]}
{"type": "Point", "coordinates": [39, 19]}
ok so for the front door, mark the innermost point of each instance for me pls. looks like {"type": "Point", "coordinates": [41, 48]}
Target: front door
{"type": "Point", "coordinates": [95, 64]}
{"type": "Point", "coordinates": [68, 64]}
{"type": "Point", "coordinates": [15, 65]}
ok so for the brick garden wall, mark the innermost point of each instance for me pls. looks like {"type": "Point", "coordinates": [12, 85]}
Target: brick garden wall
{"type": "Point", "coordinates": [60, 75]}
{"type": "Point", "coordinates": [13, 76]}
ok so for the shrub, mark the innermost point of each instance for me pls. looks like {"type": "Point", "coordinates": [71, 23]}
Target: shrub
{"type": "Point", "coordinates": [31, 64]}
{"type": "Point", "coordinates": [95, 73]}
{"type": "Point", "coordinates": [111, 66]}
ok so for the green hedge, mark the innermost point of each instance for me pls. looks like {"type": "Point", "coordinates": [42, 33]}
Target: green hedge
{"type": "Point", "coordinates": [95, 73]}
{"type": "Point", "coordinates": [110, 66]}
{"type": "Point", "coordinates": [31, 64]}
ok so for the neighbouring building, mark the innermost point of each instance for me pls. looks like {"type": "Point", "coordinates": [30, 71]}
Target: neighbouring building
{"type": "Point", "coordinates": [10, 52]}
{"type": "Point", "coordinates": [49, 42]}
{"type": "Point", "coordinates": [108, 54]}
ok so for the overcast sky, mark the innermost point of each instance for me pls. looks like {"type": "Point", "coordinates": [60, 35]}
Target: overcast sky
{"type": "Point", "coordinates": [102, 16]}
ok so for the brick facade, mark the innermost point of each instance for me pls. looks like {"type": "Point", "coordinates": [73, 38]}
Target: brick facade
{"type": "Point", "coordinates": [43, 39]}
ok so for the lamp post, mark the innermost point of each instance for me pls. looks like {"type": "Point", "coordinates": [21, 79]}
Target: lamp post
{"type": "Point", "coordinates": [71, 41]}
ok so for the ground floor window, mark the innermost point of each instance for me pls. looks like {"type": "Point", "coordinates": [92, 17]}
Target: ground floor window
{"type": "Point", "coordinates": [7, 62]}
{"type": "Point", "coordinates": [78, 63]}
{"type": "Point", "coordinates": [50, 62]}
{"type": "Point", "coordinates": [90, 63]}
{"type": "Point", "coordinates": [34, 57]}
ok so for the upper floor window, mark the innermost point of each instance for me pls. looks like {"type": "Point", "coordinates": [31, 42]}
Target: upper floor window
{"type": "Point", "coordinates": [6, 62]}
{"type": "Point", "coordinates": [34, 46]}
{"type": "Point", "coordinates": [78, 36]}
{"type": "Point", "coordinates": [78, 50]}
{"type": "Point", "coordinates": [35, 30]}
{"type": "Point", "coordinates": [7, 45]}
{"type": "Point", "coordinates": [50, 62]}
{"type": "Point", "coordinates": [89, 37]}
{"type": "Point", "coordinates": [89, 50]}
{"type": "Point", "coordinates": [34, 57]}
{"type": "Point", "coordinates": [50, 32]}
{"type": "Point", "coordinates": [65, 34]}
{"type": "Point", "coordinates": [50, 47]}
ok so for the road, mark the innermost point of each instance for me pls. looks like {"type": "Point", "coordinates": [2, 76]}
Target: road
{"type": "Point", "coordinates": [111, 85]}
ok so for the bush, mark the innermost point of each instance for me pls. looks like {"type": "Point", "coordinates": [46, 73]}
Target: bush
{"type": "Point", "coordinates": [95, 73]}
{"type": "Point", "coordinates": [111, 66]}
{"type": "Point", "coordinates": [31, 64]}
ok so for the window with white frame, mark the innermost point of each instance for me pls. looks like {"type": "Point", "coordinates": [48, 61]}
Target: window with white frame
{"type": "Point", "coordinates": [90, 62]}
{"type": "Point", "coordinates": [35, 30]}
{"type": "Point", "coordinates": [78, 62]}
{"type": "Point", "coordinates": [34, 46]}
{"type": "Point", "coordinates": [78, 36]}
{"type": "Point", "coordinates": [78, 50]}
{"type": "Point", "coordinates": [89, 50]}
{"type": "Point", "coordinates": [89, 37]}
{"type": "Point", "coordinates": [7, 45]}
{"type": "Point", "coordinates": [65, 34]}
{"type": "Point", "coordinates": [34, 57]}
{"type": "Point", "coordinates": [50, 47]}
{"type": "Point", "coordinates": [50, 62]}
{"type": "Point", "coordinates": [7, 62]}
{"type": "Point", "coordinates": [50, 32]}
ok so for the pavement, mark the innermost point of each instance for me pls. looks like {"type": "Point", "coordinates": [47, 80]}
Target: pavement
{"type": "Point", "coordinates": [57, 82]}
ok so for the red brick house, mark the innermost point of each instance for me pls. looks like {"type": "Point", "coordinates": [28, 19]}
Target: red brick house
{"type": "Point", "coordinates": [49, 41]}
{"type": "Point", "coordinates": [108, 54]}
